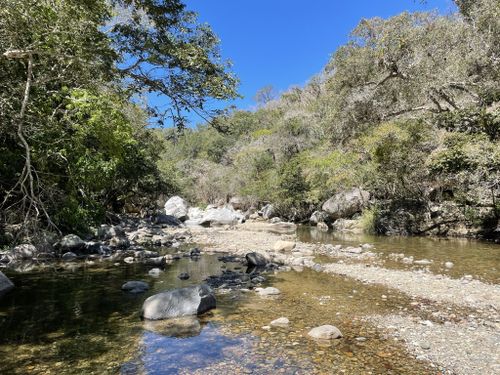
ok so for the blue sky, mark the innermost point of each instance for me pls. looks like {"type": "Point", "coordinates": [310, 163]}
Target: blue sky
{"type": "Point", "coordinates": [285, 42]}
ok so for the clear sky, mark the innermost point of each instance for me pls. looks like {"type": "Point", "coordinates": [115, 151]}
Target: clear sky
{"type": "Point", "coordinates": [285, 42]}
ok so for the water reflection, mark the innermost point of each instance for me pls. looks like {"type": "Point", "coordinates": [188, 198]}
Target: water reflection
{"type": "Point", "coordinates": [470, 257]}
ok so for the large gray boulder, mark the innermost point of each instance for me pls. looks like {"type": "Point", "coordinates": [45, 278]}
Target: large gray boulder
{"type": "Point", "coordinates": [24, 251]}
{"type": "Point", "coordinates": [193, 300]}
{"type": "Point", "coordinates": [256, 259]}
{"type": "Point", "coordinates": [178, 207]}
{"type": "Point", "coordinates": [268, 211]}
{"type": "Point", "coordinates": [221, 216]}
{"type": "Point", "coordinates": [71, 243]}
{"type": "Point", "coordinates": [345, 204]}
{"type": "Point", "coordinates": [5, 285]}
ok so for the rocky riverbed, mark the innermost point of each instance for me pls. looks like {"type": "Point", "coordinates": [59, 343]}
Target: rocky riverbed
{"type": "Point", "coordinates": [462, 312]}
{"type": "Point", "coordinates": [274, 292]}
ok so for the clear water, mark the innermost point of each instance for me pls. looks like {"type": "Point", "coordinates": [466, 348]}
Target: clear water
{"type": "Point", "coordinates": [78, 321]}
{"type": "Point", "coordinates": [476, 258]}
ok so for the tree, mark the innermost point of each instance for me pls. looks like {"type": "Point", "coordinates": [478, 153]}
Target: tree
{"type": "Point", "coordinates": [61, 65]}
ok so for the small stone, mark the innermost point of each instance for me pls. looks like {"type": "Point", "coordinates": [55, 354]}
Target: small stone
{"type": "Point", "coordinates": [155, 272]}
{"type": "Point", "coordinates": [449, 265]}
{"type": "Point", "coordinates": [269, 291]}
{"type": "Point", "coordinates": [183, 276]}
{"type": "Point", "coordinates": [284, 246]}
{"type": "Point", "coordinates": [129, 260]}
{"type": "Point", "coordinates": [425, 345]}
{"type": "Point", "coordinates": [280, 322]}
{"type": "Point", "coordinates": [325, 332]}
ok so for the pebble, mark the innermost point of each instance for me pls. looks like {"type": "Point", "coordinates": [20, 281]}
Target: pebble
{"type": "Point", "coordinates": [425, 345]}
{"type": "Point", "coordinates": [449, 265]}
{"type": "Point", "coordinates": [280, 322]}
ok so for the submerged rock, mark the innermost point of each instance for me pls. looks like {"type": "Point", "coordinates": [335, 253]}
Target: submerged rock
{"type": "Point", "coordinates": [183, 276]}
{"type": "Point", "coordinates": [269, 291]}
{"type": "Point", "coordinates": [280, 322]}
{"type": "Point", "coordinates": [256, 259]}
{"type": "Point", "coordinates": [326, 332]}
{"type": "Point", "coordinates": [135, 286]}
{"type": "Point", "coordinates": [193, 300]}
{"type": "Point", "coordinates": [187, 326]}
{"type": "Point", "coordinates": [69, 256]}
{"type": "Point", "coordinates": [5, 285]}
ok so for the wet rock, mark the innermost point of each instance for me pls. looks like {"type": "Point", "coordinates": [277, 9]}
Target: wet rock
{"type": "Point", "coordinates": [135, 286]}
{"type": "Point", "coordinates": [256, 259]}
{"type": "Point", "coordinates": [195, 252]}
{"type": "Point", "coordinates": [71, 243]}
{"type": "Point", "coordinates": [155, 272]}
{"type": "Point", "coordinates": [5, 285]}
{"type": "Point", "coordinates": [325, 332]}
{"type": "Point", "coordinates": [187, 326]}
{"type": "Point", "coordinates": [24, 251]}
{"type": "Point", "coordinates": [318, 217]}
{"type": "Point", "coordinates": [177, 207]}
{"type": "Point", "coordinates": [183, 276]}
{"type": "Point", "coordinates": [269, 291]}
{"type": "Point", "coordinates": [175, 303]}
{"type": "Point", "coordinates": [93, 247]}
{"type": "Point", "coordinates": [69, 256]}
{"type": "Point", "coordinates": [322, 226]}
{"type": "Point", "coordinates": [283, 246]}
{"type": "Point", "coordinates": [157, 261]}
{"type": "Point", "coordinates": [143, 254]}
{"type": "Point", "coordinates": [128, 260]}
{"type": "Point", "coordinates": [280, 322]}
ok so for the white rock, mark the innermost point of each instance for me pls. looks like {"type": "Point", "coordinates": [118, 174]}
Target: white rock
{"type": "Point", "coordinates": [326, 332]}
{"type": "Point", "coordinates": [269, 291]}
{"type": "Point", "coordinates": [280, 322]}
{"type": "Point", "coordinates": [155, 272]}
{"type": "Point", "coordinates": [449, 265]}
{"type": "Point", "coordinates": [283, 246]}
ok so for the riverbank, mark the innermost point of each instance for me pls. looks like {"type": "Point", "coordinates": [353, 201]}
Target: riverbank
{"type": "Point", "coordinates": [462, 312]}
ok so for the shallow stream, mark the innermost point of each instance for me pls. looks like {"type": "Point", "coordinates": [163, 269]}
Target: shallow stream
{"type": "Point", "coordinates": [61, 320]}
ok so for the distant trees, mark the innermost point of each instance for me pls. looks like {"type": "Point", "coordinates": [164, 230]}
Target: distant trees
{"type": "Point", "coordinates": [409, 109]}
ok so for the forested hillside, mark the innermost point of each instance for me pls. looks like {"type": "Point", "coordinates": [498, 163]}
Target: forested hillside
{"type": "Point", "coordinates": [75, 142]}
{"type": "Point", "coordinates": [408, 110]}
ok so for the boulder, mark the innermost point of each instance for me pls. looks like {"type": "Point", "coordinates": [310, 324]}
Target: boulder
{"type": "Point", "coordinates": [322, 226]}
{"type": "Point", "coordinates": [238, 203]}
{"type": "Point", "coordinates": [347, 203]}
{"type": "Point", "coordinates": [326, 332]}
{"type": "Point", "coordinates": [183, 276]}
{"type": "Point", "coordinates": [283, 246]}
{"type": "Point", "coordinates": [24, 251]}
{"type": "Point", "coordinates": [318, 217]}
{"type": "Point", "coordinates": [195, 213]}
{"type": "Point", "coordinates": [268, 211]}
{"type": "Point", "coordinates": [221, 216]}
{"type": "Point", "coordinates": [256, 259]}
{"type": "Point", "coordinates": [71, 243]}
{"type": "Point", "coordinates": [120, 242]}
{"type": "Point", "coordinates": [178, 207]}
{"type": "Point", "coordinates": [135, 286]}
{"type": "Point", "coordinates": [347, 225]}
{"type": "Point", "coordinates": [5, 285]}
{"type": "Point", "coordinates": [105, 232]}
{"type": "Point", "coordinates": [169, 220]}
{"type": "Point", "coordinates": [193, 300]}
